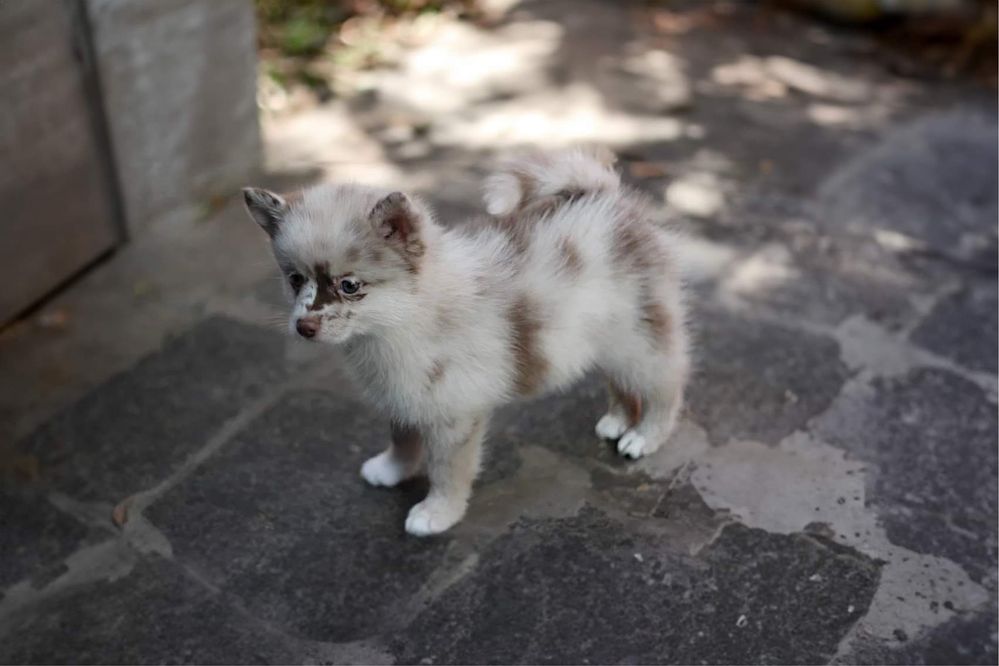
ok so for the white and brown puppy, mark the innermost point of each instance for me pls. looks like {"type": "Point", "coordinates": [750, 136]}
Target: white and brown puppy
{"type": "Point", "coordinates": [441, 326]}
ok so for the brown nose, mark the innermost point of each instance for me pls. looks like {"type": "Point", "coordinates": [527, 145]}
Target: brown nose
{"type": "Point", "coordinates": [307, 327]}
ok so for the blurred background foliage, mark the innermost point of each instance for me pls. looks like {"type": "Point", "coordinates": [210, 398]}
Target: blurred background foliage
{"type": "Point", "coordinates": [952, 37]}
{"type": "Point", "coordinates": [308, 42]}
{"type": "Point", "coordinates": [310, 48]}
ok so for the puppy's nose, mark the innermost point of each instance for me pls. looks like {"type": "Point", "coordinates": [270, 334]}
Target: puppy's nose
{"type": "Point", "coordinates": [307, 327]}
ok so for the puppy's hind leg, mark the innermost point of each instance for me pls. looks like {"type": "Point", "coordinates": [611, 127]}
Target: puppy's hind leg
{"type": "Point", "coordinates": [662, 401]}
{"type": "Point", "coordinates": [658, 377]}
{"type": "Point", "coordinates": [624, 410]}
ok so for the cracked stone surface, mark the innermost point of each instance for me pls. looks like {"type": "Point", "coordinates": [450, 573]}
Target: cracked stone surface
{"type": "Point", "coordinates": [964, 327]}
{"type": "Point", "coordinates": [154, 615]}
{"type": "Point", "coordinates": [951, 209]}
{"type": "Point", "coordinates": [586, 590]}
{"type": "Point", "coordinates": [932, 437]}
{"type": "Point", "coordinates": [35, 537]}
{"type": "Point", "coordinates": [290, 485]}
{"type": "Point", "coordinates": [760, 381]}
{"type": "Point", "coordinates": [829, 495]}
{"type": "Point", "coordinates": [145, 422]}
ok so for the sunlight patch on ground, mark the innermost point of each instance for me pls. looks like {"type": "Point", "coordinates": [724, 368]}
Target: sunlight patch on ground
{"type": "Point", "coordinates": [461, 65]}
{"type": "Point", "coordinates": [696, 194]}
{"type": "Point", "coordinates": [701, 259]}
{"type": "Point", "coordinates": [571, 115]}
{"type": "Point", "coordinates": [326, 139]}
{"type": "Point", "coordinates": [763, 270]}
{"type": "Point", "coordinates": [774, 76]}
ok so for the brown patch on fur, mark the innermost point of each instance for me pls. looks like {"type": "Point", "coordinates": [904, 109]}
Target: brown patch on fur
{"type": "Point", "coordinates": [406, 441]}
{"type": "Point", "coordinates": [542, 207]}
{"type": "Point", "coordinates": [572, 262]}
{"type": "Point", "coordinates": [326, 291]}
{"type": "Point", "coordinates": [519, 225]}
{"type": "Point", "coordinates": [656, 317]}
{"type": "Point", "coordinates": [525, 329]}
{"type": "Point", "coordinates": [634, 244]}
{"type": "Point", "coordinates": [399, 222]}
{"type": "Point", "coordinates": [353, 253]}
{"type": "Point", "coordinates": [436, 372]}
{"type": "Point", "coordinates": [517, 234]}
{"type": "Point", "coordinates": [629, 402]}
{"type": "Point", "coordinates": [415, 249]}
{"type": "Point", "coordinates": [526, 182]}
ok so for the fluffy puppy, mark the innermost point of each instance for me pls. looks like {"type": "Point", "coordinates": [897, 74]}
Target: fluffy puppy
{"type": "Point", "coordinates": [442, 325]}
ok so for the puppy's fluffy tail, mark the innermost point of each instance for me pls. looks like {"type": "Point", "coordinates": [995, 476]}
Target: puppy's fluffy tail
{"type": "Point", "coordinates": [527, 179]}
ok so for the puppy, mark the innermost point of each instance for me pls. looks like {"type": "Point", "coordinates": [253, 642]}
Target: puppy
{"type": "Point", "coordinates": [442, 325]}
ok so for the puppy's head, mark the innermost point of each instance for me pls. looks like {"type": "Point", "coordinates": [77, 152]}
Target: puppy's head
{"type": "Point", "coordinates": [350, 255]}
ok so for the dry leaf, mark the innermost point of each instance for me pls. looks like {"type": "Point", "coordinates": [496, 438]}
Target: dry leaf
{"type": "Point", "coordinates": [120, 514]}
{"type": "Point", "coordinates": [56, 320]}
{"type": "Point", "coordinates": [23, 467]}
{"type": "Point", "coordinates": [646, 170]}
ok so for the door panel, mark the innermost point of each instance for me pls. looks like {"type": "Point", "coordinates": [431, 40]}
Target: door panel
{"type": "Point", "coordinates": [56, 206]}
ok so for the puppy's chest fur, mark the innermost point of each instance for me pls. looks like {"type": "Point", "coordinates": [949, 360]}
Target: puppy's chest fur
{"type": "Point", "coordinates": [434, 372]}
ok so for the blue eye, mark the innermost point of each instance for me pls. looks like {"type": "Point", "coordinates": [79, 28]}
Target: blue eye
{"type": "Point", "coordinates": [296, 280]}
{"type": "Point", "coordinates": [350, 285]}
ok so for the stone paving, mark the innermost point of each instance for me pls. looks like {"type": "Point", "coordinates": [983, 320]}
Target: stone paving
{"type": "Point", "coordinates": [830, 495]}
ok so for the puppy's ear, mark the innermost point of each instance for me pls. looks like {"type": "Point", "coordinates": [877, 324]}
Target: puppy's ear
{"type": "Point", "coordinates": [397, 220]}
{"type": "Point", "coordinates": [266, 208]}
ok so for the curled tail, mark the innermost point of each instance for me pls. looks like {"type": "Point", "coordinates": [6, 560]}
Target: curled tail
{"type": "Point", "coordinates": [533, 178]}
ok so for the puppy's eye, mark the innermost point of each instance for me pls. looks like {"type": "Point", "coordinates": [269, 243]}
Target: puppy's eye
{"type": "Point", "coordinates": [296, 280]}
{"type": "Point", "coordinates": [350, 285]}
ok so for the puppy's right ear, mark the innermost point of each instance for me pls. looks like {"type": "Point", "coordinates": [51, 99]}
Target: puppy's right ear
{"type": "Point", "coordinates": [266, 208]}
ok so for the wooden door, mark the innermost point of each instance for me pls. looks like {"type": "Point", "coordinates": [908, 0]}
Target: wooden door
{"type": "Point", "coordinates": [57, 197]}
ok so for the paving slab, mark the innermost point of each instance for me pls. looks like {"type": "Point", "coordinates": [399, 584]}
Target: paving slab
{"type": "Point", "coordinates": [141, 424]}
{"type": "Point", "coordinates": [932, 438]}
{"type": "Point", "coordinates": [34, 538]}
{"type": "Point", "coordinates": [966, 639]}
{"type": "Point", "coordinates": [588, 590]}
{"type": "Point", "coordinates": [153, 615]}
{"type": "Point", "coordinates": [282, 520]}
{"type": "Point", "coordinates": [759, 380]}
{"type": "Point", "coordinates": [963, 327]}
{"type": "Point", "coordinates": [932, 181]}
{"type": "Point", "coordinates": [811, 278]}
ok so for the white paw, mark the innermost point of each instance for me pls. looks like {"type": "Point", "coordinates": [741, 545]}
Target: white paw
{"type": "Point", "coordinates": [432, 517]}
{"type": "Point", "coordinates": [383, 470]}
{"type": "Point", "coordinates": [632, 445]}
{"type": "Point", "coordinates": [611, 426]}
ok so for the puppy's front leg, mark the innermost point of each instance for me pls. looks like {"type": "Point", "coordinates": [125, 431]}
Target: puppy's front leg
{"type": "Point", "coordinates": [453, 452]}
{"type": "Point", "coordinates": [400, 461]}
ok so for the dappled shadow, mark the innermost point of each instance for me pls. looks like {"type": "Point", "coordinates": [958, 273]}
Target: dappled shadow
{"type": "Point", "coordinates": [729, 116]}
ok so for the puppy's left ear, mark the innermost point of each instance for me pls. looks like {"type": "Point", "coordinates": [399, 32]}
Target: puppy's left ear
{"type": "Point", "coordinates": [397, 220]}
{"type": "Point", "coordinates": [266, 208]}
